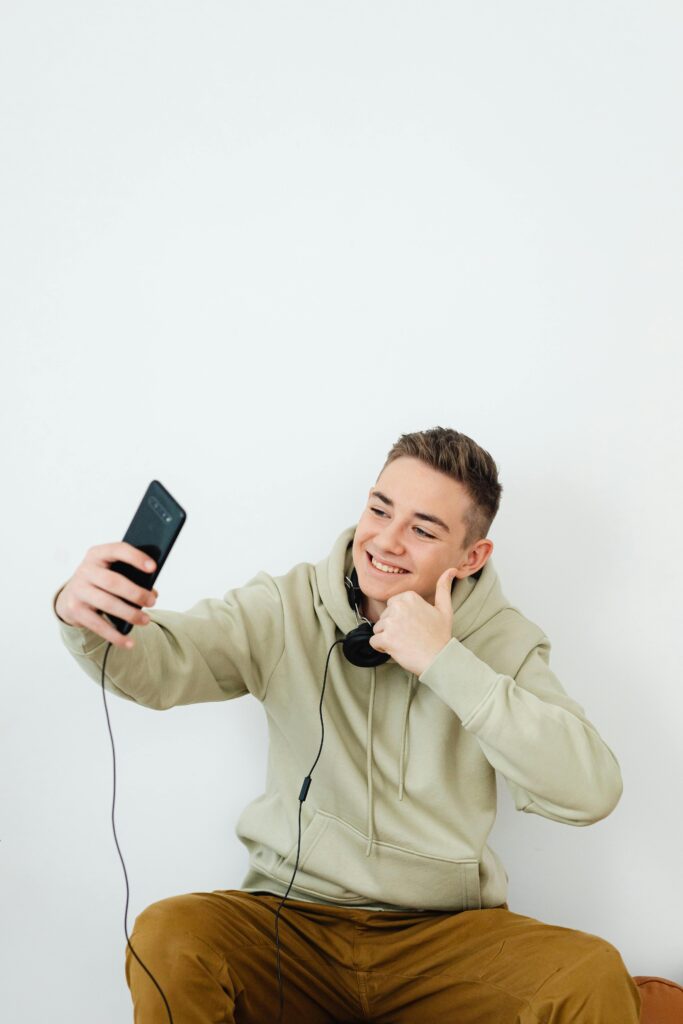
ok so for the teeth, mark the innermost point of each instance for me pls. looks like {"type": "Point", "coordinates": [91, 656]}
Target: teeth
{"type": "Point", "coordinates": [385, 568]}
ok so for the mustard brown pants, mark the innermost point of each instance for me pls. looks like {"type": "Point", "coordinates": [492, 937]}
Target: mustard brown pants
{"type": "Point", "coordinates": [213, 954]}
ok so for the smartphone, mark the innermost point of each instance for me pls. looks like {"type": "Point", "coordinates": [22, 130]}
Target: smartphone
{"type": "Point", "coordinates": [153, 529]}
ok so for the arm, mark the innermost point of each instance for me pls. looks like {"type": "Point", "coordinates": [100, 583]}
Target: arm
{"type": "Point", "coordinates": [529, 730]}
{"type": "Point", "coordinates": [217, 650]}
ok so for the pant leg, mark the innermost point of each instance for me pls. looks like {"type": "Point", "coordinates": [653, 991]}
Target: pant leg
{"type": "Point", "coordinates": [213, 955]}
{"type": "Point", "coordinates": [491, 965]}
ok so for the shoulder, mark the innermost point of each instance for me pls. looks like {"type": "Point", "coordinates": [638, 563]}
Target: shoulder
{"type": "Point", "coordinates": [507, 639]}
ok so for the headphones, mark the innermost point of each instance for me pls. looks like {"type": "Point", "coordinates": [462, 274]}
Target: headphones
{"type": "Point", "coordinates": [356, 645]}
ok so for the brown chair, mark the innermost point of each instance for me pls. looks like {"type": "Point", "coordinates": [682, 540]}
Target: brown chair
{"type": "Point", "coordinates": [661, 1000]}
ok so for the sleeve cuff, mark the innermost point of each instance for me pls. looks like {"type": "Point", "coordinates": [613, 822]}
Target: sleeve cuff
{"type": "Point", "coordinates": [462, 680]}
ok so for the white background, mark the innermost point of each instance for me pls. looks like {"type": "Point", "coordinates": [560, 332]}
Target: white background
{"type": "Point", "coordinates": [245, 246]}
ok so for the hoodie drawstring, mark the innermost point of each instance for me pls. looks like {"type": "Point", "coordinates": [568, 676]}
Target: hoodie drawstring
{"type": "Point", "coordinates": [402, 762]}
{"type": "Point", "coordinates": [368, 770]}
{"type": "Point", "coordinates": [404, 734]}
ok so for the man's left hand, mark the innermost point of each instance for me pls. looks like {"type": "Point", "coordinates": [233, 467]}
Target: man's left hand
{"type": "Point", "coordinates": [411, 630]}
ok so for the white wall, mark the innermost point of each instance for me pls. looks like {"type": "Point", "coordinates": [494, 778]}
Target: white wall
{"type": "Point", "coordinates": [244, 247]}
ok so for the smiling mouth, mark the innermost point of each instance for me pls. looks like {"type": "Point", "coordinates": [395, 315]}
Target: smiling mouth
{"type": "Point", "coordinates": [403, 572]}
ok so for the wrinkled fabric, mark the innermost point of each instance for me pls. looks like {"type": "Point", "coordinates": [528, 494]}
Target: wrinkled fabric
{"type": "Point", "coordinates": [213, 954]}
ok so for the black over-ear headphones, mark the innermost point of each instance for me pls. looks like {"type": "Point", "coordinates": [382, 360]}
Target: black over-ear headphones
{"type": "Point", "coordinates": [356, 644]}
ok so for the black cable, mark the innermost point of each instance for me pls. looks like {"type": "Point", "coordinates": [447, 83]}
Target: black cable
{"type": "Point", "coordinates": [125, 875]}
{"type": "Point", "coordinates": [302, 796]}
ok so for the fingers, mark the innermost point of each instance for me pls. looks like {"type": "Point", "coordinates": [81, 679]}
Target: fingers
{"type": "Point", "coordinates": [120, 551]}
{"type": "Point", "coordinates": [95, 588]}
{"type": "Point", "coordinates": [102, 600]}
{"type": "Point", "coordinates": [100, 626]}
{"type": "Point", "coordinates": [121, 586]}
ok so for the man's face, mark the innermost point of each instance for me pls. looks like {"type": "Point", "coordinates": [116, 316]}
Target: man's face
{"type": "Point", "coordinates": [397, 533]}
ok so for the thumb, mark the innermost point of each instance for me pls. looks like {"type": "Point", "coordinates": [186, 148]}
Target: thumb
{"type": "Point", "coordinates": [442, 595]}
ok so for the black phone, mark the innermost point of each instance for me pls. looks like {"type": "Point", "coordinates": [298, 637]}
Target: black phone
{"type": "Point", "coordinates": [153, 529]}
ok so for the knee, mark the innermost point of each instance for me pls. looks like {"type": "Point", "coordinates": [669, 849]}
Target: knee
{"type": "Point", "coordinates": [163, 928]}
{"type": "Point", "coordinates": [169, 916]}
{"type": "Point", "coordinates": [602, 978]}
{"type": "Point", "coordinates": [169, 939]}
{"type": "Point", "coordinates": [601, 956]}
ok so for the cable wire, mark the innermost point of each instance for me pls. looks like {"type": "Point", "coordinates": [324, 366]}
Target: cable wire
{"type": "Point", "coordinates": [302, 796]}
{"type": "Point", "coordinates": [113, 825]}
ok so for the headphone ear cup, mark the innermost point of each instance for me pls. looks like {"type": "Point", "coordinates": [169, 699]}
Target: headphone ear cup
{"type": "Point", "coordinates": [357, 648]}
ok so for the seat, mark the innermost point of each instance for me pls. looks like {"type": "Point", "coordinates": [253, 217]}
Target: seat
{"type": "Point", "coordinates": [661, 1000]}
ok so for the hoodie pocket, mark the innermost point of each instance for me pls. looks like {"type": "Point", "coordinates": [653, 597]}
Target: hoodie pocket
{"type": "Point", "coordinates": [333, 864]}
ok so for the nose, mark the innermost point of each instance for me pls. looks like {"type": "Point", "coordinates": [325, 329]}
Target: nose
{"type": "Point", "coordinates": [388, 539]}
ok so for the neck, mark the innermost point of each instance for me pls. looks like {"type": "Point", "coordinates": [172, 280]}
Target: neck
{"type": "Point", "coordinates": [371, 610]}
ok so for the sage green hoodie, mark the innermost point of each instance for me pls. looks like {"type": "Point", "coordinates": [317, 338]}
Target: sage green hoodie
{"type": "Point", "coordinates": [403, 797]}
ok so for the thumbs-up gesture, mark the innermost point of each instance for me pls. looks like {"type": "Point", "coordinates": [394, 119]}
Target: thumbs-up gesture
{"type": "Point", "coordinates": [411, 630]}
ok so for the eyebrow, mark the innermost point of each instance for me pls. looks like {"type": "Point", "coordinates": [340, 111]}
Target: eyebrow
{"type": "Point", "coordinates": [417, 515]}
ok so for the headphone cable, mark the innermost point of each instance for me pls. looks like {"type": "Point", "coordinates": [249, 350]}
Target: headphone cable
{"type": "Point", "coordinates": [125, 874]}
{"type": "Point", "coordinates": [302, 796]}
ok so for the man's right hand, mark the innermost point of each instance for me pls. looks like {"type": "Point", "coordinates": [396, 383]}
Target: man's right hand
{"type": "Point", "coordinates": [94, 587]}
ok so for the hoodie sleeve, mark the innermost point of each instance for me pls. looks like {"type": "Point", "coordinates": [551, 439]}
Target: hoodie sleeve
{"type": "Point", "coordinates": [217, 650]}
{"type": "Point", "coordinates": [529, 730]}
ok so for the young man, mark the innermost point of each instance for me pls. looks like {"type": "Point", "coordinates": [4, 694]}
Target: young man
{"type": "Point", "coordinates": [398, 907]}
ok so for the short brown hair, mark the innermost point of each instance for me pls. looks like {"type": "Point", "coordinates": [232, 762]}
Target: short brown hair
{"type": "Point", "coordinates": [461, 458]}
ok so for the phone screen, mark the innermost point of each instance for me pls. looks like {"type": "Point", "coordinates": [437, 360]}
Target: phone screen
{"type": "Point", "coordinates": [153, 529]}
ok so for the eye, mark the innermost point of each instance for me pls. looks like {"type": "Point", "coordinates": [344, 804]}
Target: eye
{"type": "Point", "coordinates": [419, 529]}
